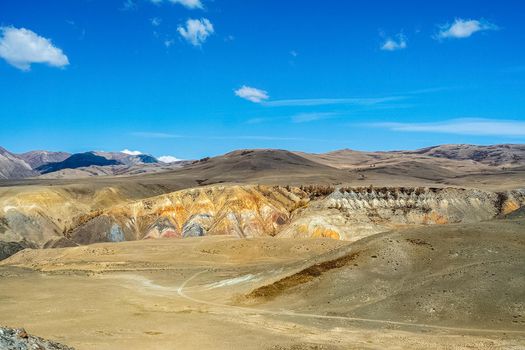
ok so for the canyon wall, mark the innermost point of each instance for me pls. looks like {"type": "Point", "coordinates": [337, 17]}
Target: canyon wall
{"type": "Point", "coordinates": [57, 219]}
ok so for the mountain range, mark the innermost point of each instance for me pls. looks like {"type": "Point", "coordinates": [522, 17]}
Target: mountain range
{"type": "Point", "coordinates": [13, 166]}
{"type": "Point", "coordinates": [442, 160]}
{"type": "Point", "coordinates": [411, 233]}
{"type": "Point", "coordinates": [63, 164]}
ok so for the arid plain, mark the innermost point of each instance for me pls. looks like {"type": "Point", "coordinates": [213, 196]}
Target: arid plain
{"type": "Point", "coordinates": [270, 249]}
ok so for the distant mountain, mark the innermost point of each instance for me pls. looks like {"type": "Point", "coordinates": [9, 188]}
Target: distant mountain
{"type": "Point", "coordinates": [12, 167]}
{"type": "Point", "coordinates": [34, 163]}
{"type": "Point", "coordinates": [508, 154]}
{"type": "Point", "coordinates": [147, 159]}
{"type": "Point", "coordinates": [39, 158]}
{"type": "Point", "coordinates": [495, 155]}
{"type": "Point", "coordinates": [128, 159]}
{"type": "Point", "coordinates": [78, 160]}
{"type": "Point", "coordinates": [431, 162]}
{"type": "Point", "coordinates": [115, 170]}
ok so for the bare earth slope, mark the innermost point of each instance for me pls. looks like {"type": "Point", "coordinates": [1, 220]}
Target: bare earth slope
{"type": "Point", "coordinates": [428, 253]}
{"type": "Point", "coordinates": [456, 275]}
{"type": "Point", "coordinates": [39, 158]}
{"type": "Point", "coordinates": [440, 163]}
{"type": "Point", "coordinates": [349, 213]}
{"type": "Point", "coordinates": [11, 339]}
{"type": "Point", "coordinates": [12, 167]}
{"type": "Point", "coordinates": [113, 170]}
{"type": "Point", "coordinates": [446, 287]}
{"type": "Point", "coordinates": [446, 155]}
{"type": "Point", "coordinates": [496, 155]}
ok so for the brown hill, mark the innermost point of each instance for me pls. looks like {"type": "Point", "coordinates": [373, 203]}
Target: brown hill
{"type": "Point", "coordinates": [12, 167]}
{"type": "Point", "coordinates": [495, 155]}
{"type": "Point", "coordinates": [39, 158]}
{"type": "Point", "coordinates": [466, 275]}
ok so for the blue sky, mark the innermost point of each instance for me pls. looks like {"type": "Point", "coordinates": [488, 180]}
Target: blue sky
{"type": "Point", "coordinates": [192, 78]}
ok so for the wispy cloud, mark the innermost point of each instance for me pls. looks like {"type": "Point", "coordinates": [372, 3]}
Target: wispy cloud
{"type": "Point", "coordinates": [252, 94]}
{"type": "Point", "coordinates": [191, 4]}
{"type": "Point", "coordinates": [196, 31]}
{"type": "Point", "coordinates": [465, 126]}
{"type": "Point", "coordinates": [431, 90]}
{"type": "Point", "coordinates": [22, 47]}
{"type": "Point", "coordinates": [129, 5]}
{"type": "Point", "coordinates": [365, 101]}
{"type": "Point", "coordinates": [310, 117]}
{"type": "Point", "coordinates": [464, 28]}
{"type": "Point", "coordinates": [154, 135]}
{"type": "Point", "coordinates": [156, 21]}
{"type": "Point", "coordinates": [393, 44]}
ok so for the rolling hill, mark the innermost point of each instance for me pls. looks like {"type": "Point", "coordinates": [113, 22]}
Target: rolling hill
{"type": "Point", "coordinates": [75, 161]}
{"type": "Point", "coordinates": [12, 167]}
{"type": "Point", "coordinates": [36, 159]}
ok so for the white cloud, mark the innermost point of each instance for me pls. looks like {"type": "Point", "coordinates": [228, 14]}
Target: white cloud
{"type": "Point", "coordinates": [22, 47]}
{"type": "Point", "coordinates": [169, 42]}
{"type": "Point", "coordinates": [469, 126]}
{"type": "Point", "coordinates": [365, 101]}
{"type": "Point", "coordinates": [463, 28]}
{"type": "Point", "coordinates": [310, 117]}
{"type": "Point", "coordinates": [129, 5]}
{"type": "Point", "coordinates": [196, 31]}
{"type": "Point", "coordinates": [156, 21]}
{"type": "Point", "coordinates": [191, 4]}
{"type": "Point", "coordinates": [168, 159]}
{"type": "Point", "coordinates": [252, 94]}
{"type": "Point", "coordinates": [393, 44]}
{"type": "Point", "coordinates": [131, 153]}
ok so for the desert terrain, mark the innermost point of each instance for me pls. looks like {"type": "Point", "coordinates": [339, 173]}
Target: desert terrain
{"type": "Point", "coordinates": [432, 288]}
{"type": "Point", "coordinates": [271, 249]}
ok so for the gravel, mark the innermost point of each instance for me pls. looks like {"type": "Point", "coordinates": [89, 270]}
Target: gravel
{"type": "Point", "coordinates": [19, 339]}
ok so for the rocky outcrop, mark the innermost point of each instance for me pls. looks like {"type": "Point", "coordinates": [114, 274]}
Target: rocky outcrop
{"type": "Point", "coordinates": [495, 155]}
{"type": "Point", "coordinates": [354, 213]}
{"type": "Point", "coordinates": [78, 160]}
{"type": "Point", "coordinates": [244, 211]}
{"type": "Point", "coordinates": [13, 167]}
{"type": "Point", "coordinates": [52, 220]}
{"type": "Point", "coordinates": [9, 248]}
{"type": "Point", "coordinates": [312, 211]}
{"type": "Point", "coordinates": [39, 158]}
{"type": "Point", "coordinates": [19, 339]}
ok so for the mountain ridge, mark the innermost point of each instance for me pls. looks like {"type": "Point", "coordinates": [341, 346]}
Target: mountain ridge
{"type": "Point", "coordinates": [440, 159]}
{"type": "Point", "coordinates": [40, 157]}
{"type": "Point", "coordinates": [77, 160]}
{"type": "Point", "coordinates": [12, 167]}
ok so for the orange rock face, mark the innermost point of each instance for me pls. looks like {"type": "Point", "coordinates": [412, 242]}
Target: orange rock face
{"type": "Point", "coordinates": [509, 206]}
{"type": "Point", "coordinates": [249, 211]}
{"type": "Point", "coordinates": [243, 211]}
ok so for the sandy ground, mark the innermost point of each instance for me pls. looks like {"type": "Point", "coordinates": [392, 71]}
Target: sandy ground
{"type": "Point", "coordinates": [181, 294]}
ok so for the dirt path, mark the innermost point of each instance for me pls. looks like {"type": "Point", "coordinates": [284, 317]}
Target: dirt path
{"type": "Point", "coordinates": [181, 292]}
